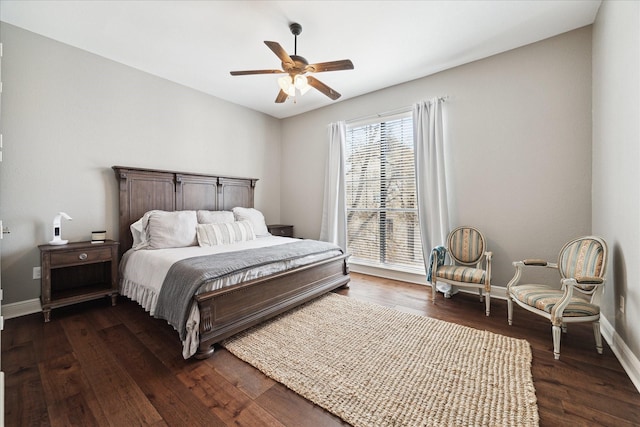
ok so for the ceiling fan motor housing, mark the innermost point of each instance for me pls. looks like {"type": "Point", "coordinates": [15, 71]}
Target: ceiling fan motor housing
{"type": "Point", "coordinates": [300, 64]}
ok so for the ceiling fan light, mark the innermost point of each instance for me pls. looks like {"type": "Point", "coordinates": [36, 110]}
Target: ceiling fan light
{"type": "Point", "coordinates": [300, 82]}
{"type": "Point", "coordinates": [291, 91]}
{"type": "Point", "coordinates": [285, 83]}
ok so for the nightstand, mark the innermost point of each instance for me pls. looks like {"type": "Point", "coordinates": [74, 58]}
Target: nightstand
{"type": "Point", "coordinates": [281, 230]}
{"type": "Point", "coordinates": [77, 272]}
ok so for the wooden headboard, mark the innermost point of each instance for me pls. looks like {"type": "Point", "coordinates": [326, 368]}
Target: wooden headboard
{"type": "Point", "coordinates": [142, 190]}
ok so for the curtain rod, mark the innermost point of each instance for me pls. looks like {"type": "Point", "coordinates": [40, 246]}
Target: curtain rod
{"type": "Point", "coordinates": [389, 113]}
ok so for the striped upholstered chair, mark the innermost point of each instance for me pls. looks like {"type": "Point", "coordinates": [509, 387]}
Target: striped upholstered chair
{"type": "Point", "coordinates": [582, 263]}
{"type": "Point", "coordinates": [467, 249]}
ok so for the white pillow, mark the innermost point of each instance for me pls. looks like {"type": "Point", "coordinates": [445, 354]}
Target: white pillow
{"type": "Point", "coordinates": [224, 233]}
{"type": "Point", "coordinates": [214, 217]}
{"type": "Point", "coordinates": [171, 229]}
{"type": "Point", "coordinates": [138, 234]}
{"type": "Point", "coordinates": [255, 217]}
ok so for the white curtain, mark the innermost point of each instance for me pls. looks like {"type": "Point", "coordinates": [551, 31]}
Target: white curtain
{"type": "Point", "coordinates": [334, 207]}
{"type": "Point", "coordinates": [433, 211]}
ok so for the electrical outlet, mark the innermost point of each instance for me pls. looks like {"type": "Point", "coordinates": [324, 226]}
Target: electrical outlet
{"type": "Point", "coordinates": [36, 273]}
{"type": "Point", "coordinates": [621, 304]}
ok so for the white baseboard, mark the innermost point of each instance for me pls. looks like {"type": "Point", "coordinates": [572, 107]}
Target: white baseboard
{"type": "Point", "coordinates": [21, 308]}
{"type": "Point", "coordinates": [499, 292]}
{"type": "Point", "coordinates": [627, 359]}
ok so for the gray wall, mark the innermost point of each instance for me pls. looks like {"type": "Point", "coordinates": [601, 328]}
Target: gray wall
{"type": "Point", "coordinates": [68, 116]}
{"type": "Point", "coordinates": [519, 135]}
{"type": "Point", "coordinates": [616, 156]}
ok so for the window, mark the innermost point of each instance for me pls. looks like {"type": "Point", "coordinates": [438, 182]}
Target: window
{"type": "Point", "coordinates": [382, 213]}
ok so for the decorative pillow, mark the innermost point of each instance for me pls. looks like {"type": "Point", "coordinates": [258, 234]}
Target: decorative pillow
{"type": "Point", "coordinates": [214, 217]}
{"type": "Point", "coordinates": [171, 229]}
{"type": "Point", "coordinates": [255, 217]}
{"type": "Point", "coordinates": [224, 233]}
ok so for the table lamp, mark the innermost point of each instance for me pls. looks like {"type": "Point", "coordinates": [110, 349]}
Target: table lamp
{"type": "Point", "coordinates": [57, 229]}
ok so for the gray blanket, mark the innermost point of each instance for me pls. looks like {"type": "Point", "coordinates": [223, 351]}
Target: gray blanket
{"type": "Point", "coordinates": [185, 277]}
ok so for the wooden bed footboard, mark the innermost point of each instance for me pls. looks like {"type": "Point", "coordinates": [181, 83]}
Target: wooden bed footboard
{"type": "Point", "coordinates": [227, 311]}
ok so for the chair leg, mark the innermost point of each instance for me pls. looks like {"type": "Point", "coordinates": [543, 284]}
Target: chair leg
{"type": "Point", "coordinates": [509, 310]}
{"type": "Point", "coordinates": [557, 334]}
{"type": "Point", "coordinates": [480, 292]}
{"type": "Point", "coordinates": [564, 328]}
{"type": "Point", "coordinates": [433, 291]}
{"type": "Point", "coordinates": [598, 336]}
{"type": "Point", "coordinates": [487, 301]}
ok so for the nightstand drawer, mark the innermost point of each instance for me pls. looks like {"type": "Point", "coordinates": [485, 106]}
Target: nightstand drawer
{"type": "Point", "coordinates": [86, 256]}
{"type": "Point", "coordinates": [281, 230]}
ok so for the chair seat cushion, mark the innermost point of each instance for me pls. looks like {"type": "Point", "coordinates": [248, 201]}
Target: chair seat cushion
{"type": "Point", "coordinates": [544, 299]}
{"type": "Point", "coordinates": [461, 274]}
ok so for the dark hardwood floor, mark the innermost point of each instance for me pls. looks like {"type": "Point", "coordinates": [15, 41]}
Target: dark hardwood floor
{"type": "Point", "coordinates": [94, 364]}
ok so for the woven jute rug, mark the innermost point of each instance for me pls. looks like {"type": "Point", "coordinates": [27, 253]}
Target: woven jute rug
{"type": "Point", "coordinates": [375, 366]}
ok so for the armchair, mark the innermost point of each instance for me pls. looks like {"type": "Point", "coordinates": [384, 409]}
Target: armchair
{"type": "Point", "coordinates": [582, 263]}
{"type": "Point", "coordinates": [466, 247]}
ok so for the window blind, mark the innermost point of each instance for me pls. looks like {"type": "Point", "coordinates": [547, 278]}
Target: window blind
{"type": "Point", "coordinates": [382, 214]}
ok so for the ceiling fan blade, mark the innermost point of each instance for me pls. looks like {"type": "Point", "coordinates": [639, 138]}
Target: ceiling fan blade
{"type": "Point", "coordinates": [320, 67]}
{"type": "Point", "coordinates": [244, 73]}
{"type": "Point", "coordinates": [313, 82]}
{"type": "Point", "coordinates": [282, 96]}
{"type": "Point", "coordinates": [281, 53]}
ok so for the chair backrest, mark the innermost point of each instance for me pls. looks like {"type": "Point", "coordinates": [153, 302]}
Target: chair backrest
{"type": "Point", "coordinates": [466, 245]}
{"type": "Point", "coordinates": [583, 257]}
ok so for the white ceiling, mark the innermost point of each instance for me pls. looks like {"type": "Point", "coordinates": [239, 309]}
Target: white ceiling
{"type": "Point", "coordinates": [197, 43]}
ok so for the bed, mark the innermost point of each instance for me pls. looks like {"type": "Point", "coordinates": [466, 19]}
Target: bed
{"type": "Point", "coordinates": [236, 301]}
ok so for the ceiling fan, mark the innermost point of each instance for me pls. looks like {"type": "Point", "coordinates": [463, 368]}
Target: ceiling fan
{"type": "Point", "coordinates": [296, 67]}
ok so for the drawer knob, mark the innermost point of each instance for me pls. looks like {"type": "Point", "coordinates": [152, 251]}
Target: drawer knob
{"type": "Point", "coordinates": [82, 256]}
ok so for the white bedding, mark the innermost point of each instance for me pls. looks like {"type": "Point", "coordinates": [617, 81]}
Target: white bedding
{"type": "Point", "coordinates": [142, 273]}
